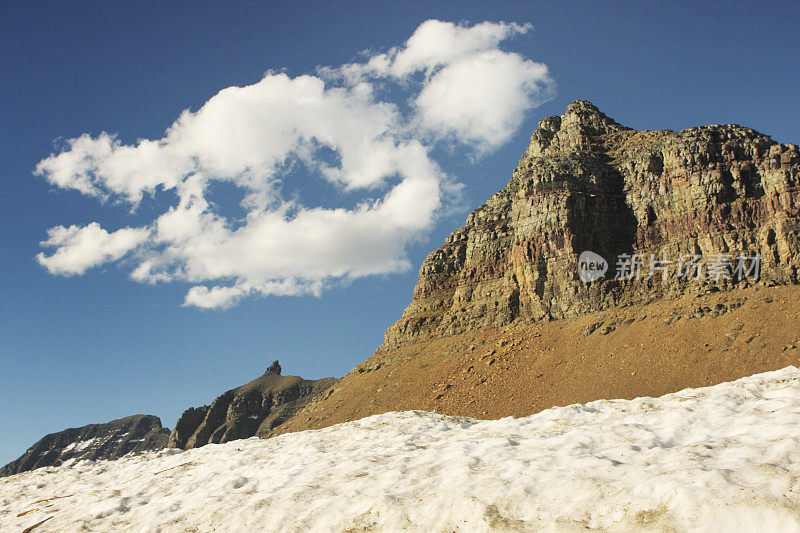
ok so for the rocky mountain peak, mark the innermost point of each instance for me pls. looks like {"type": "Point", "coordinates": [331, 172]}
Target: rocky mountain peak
{"type": "Point", "coordinates": [576, 129]}
{"type": "Point", "coordinates": [255, 408]}
{"type": "Point", "coordinates": [111, 440]}
{"type": "Point", "coordinates": [584, 114]}
{"type": "Point", "coordinates": [587, 183]}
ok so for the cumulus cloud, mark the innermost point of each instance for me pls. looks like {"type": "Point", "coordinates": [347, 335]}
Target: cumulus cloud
{"type": "Point", "coordinates": [79, 249]}
{"type": "Point", "coordinates": [333, 126]}
{"type": "Point", "coordinates": [472, 92]}
{"type": "Point", "coordinates": [244, 135]}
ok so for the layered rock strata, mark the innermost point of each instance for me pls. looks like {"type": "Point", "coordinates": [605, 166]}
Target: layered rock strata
{"type": "Point", "coordinates": [587, 183]}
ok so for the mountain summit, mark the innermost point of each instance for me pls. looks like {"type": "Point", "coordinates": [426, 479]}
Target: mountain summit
{"type": "Point", "coordinates": [111, 440]}
{"type": "Point", "coordinates": [691, 243]}
{"type": "Point", "coordinates": [255, 408]}
{"type": "Point", "coordinates": [586, 183]}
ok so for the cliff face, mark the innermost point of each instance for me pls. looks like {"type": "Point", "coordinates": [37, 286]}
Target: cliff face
{"type": "Point", "coordinates": [112, 440]}
{"type": "Point", "coordinates": [589, 183]}
{"type": "Point", "coordinates": [252, 409]}
{"type": "Point", "coordinates": [479, 339]}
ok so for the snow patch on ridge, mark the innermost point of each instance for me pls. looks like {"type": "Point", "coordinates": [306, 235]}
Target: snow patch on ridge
{"type": "Point", "coordinates": [78, 446]}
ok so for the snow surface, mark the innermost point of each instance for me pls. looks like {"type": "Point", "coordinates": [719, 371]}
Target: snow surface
{"type": "Point", "coordinates": [722, 458]}
{"type": "Point", "coordinates": [78, 446]}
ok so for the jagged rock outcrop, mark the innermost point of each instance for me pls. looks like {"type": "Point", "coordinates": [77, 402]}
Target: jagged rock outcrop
{"type": "Point", "coordinates": [589, 183]}
{"type": "Point", "coordinates": [252, 409]}
{"type": "Point", "coordinates": [112, 440]}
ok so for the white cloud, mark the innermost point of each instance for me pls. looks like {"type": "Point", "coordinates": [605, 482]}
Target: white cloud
{"type": "Point", "coordinates": [243, 135]}
{"type": "Point", "coordinates": [79, 249]}
{"type": "Point", "coordinates": [482, 99]}
{"type": "Point", "coordinates": [434, 44]}
{"type": "Point", "coordinates": [472, 92]}
{"type": "Point", "coordinates": [255, 138]}
{"type": "Point", "coordinates": [213, 298]}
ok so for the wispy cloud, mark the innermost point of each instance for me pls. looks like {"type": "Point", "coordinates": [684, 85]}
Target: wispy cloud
{"type": "Point", "coordinates": [464, 90]}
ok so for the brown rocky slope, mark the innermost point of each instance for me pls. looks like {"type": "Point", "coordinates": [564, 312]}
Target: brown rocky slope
{"type": "Point", "coordinates": [501, 323]}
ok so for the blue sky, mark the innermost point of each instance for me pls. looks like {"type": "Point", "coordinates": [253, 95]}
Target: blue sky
{"type": "Point", "coordinates": [92, 347]}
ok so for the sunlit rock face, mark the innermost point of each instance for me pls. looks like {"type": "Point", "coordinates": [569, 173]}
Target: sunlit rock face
{"type": "Point", "coordinates": [589, 183]}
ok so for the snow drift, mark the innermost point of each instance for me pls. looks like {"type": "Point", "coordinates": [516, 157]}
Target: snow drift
{"type": "Point", "coordinates": [722, 458]}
